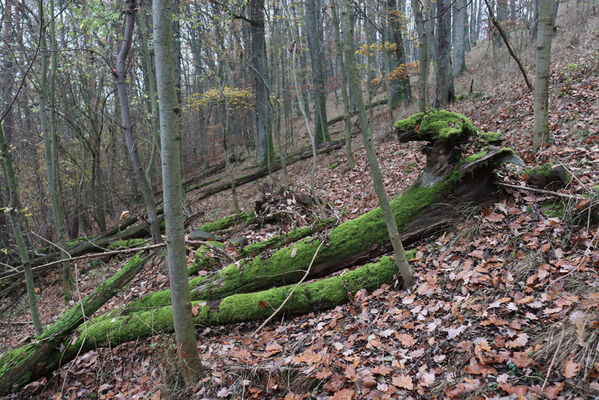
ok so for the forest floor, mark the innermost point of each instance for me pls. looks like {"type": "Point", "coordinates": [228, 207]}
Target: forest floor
{"type": "Point", "coordinates": [505, 305]}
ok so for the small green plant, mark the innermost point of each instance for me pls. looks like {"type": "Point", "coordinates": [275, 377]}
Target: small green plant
{"type": "Point", "coordinates": [572, 67]}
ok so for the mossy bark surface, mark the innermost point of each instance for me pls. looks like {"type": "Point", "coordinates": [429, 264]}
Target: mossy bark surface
{"type": "Point", "coordinates": [313, 296]}
{"type": "Point", "coordinates": [20, 366]}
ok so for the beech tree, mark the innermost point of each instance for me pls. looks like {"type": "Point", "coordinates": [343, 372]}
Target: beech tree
{"type": "Point", "coordinates": [171, 174]}
{"type": "Point", "coordinates": [444, 89]}
{"type": "Point", "coordinates": [121, 71]}
{"type": "Point", "coordinates": [543, 72]}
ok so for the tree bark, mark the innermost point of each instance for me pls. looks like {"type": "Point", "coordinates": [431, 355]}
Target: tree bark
{"type": "Point", "coordinates": [543, 73]}
{"type": "Point", "coordinates": [21, 366]}
{"type": "Point", "coordinates": [377, 176]}
{"type": "Point", "coordinates": [261, 81]}
{"type": "Point", "coordinates": [314, 35]}
{"type": "Point", "coordinates": [344, 95]}
{"type": "Point", "coordinates": [14, 212]}
{"type": "Point", "coordinates": [444, 89]}
{"type": "Point", "coordinates": [121, 74]}
{"type": "Point", "coordinates": [400, 83]}
{"type": "Point", "coordinates": [171, 176]}
{"type": "Point", "coordinates": [420, 15]}
{"type": "Point", "coordinates": [459, 46]}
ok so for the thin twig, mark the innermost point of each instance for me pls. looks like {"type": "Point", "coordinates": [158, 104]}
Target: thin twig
{"type": "Point", "coordinates": [290, 294]}
{"type": "Point", "coordinates": [543, 191]}
{"type": "Point", "coordinates": [552, 361]}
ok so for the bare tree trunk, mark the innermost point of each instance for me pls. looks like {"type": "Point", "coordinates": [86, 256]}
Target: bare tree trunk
{"type": "Point", "coordinates": [377, 178]}
{"type": "Point", "coordinates": [420, 14]}
{"type": "Point", "coordinates": [314, 34]}
{"type": "Point", "coordinates": [459, 49]}
{"type": "Point", "coordinates": [171, 176]}
{"type": "Point", "coordinates": [261, 81]}
{"type": "Point", "coordinates": [342, 66]}
{"type": "Point", "coordinates": [444, 89]}
{"type": "Point", "coordinates": [121, 74]}
{"type": "Point", "coordinates": [543, 72]}
{"type": "Point", "coordinates": [14, 214]}
{"type": "Point", "coordinates": [48, 128]}
{"type": "Point", "coordinates": [400, 83]}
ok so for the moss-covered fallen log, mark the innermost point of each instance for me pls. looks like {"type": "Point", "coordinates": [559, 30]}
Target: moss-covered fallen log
{"type": "Point", "coordinates": [276, 242]}
{"type": "Point", "coordinates": [227, 222]}
{"type": "Point", "coordinates": [448, 183]}
{"type": "Point", "coordinates": [18, 367]}
{"type": "Point", "coordinates": [313, 296]}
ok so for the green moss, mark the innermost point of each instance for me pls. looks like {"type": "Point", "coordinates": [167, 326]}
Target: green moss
{"type": "Point", "coordinates": [437, 125]}
{"type": "Point", "coordinates": [503, 152]}
{"type": "Point", "coordinates": [335, 164]}
{"type": "Point", "coordinates": [351, 237]}
{"type": "Point", "coordinates": [54, 334]}
{"type": "Point", "coordinates": [490, 137]}
{"type": "Point", "coordinates": [553, 210]}
{"type": "Point", "coordinates": [125, 244]}
{"type": "Point", "coordinates": [203, 260]}
{"type": "Point", "coordinates": [543, 170]}
{"type": "Point", "coordinates": [254, 249]}
{"type": "Point", "coordinates": [314, 296]}
{"type": "Point", "coordinates": [227, 222]}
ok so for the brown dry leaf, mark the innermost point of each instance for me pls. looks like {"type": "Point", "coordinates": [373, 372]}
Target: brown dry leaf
{"type": "Point", "coordinates": [345, 394]}
{"type": "Point", "coordinates": [195, 310]}
{"type": "Point", "coordinates": [428, 378]}
{"type": "Point", "coordinates": [552, 391]}
{"type": "Point", "coordinates": [571, 369]}
{"type": "Point", "coordinates": [463, 388]}
{"type": "Point", "coordinates": [520, 391]}
{"type": "Point", "coordinates": [405, 339]}
{"type": "Point", "coordinates": [350, 373]}
{"type": "Point", "coordinates": [475, 368]}
{"type": "Point", "coordinates": [366, 379]}
{"type": "Point", "coordinates": [156, 395]}
{"type": "Point", "coordinates": [402, 382]}
{"type": "Point", "coordinates": [272, 349]}
{"type": "Point", "coordinates": [522, 360]}
{"type": "Point", "coordinates": [495, 217]}
{"type": "Point", "coordinates": [293, 252]}
{"type": "Point", "coordinates": [383, 370]}
{"type": "Point", "coordinates": [520, 341]}
{"type": "Point", "coordinates": [323, 374]}
{"type": "Point", "coordinates": [308, 356]}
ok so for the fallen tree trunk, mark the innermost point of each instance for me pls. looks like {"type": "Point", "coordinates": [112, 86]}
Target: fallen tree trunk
{"type": "Point", "coordinates": [87, 247]}
{"type": "Point", "coordinates": [323, 294]}
{"type": "Point", "coordinates": [448, 183]}
{"type": "Point", "coordinates": [264, 171]}
{"type": "Point", "coordinates": [18, 367]}
{"type": "Point", "coordinates": [339, 118]}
